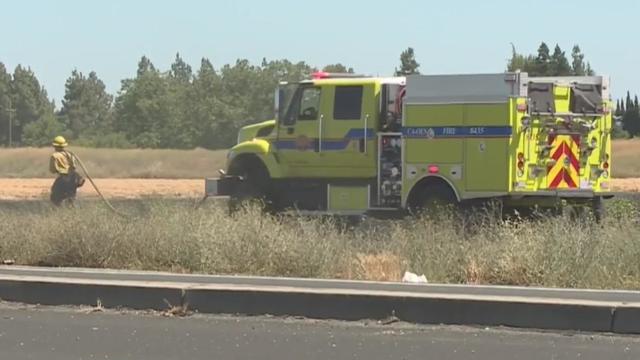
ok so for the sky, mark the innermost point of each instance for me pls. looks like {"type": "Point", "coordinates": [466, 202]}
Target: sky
{"type": "Point", "coordinates": [454, 36]}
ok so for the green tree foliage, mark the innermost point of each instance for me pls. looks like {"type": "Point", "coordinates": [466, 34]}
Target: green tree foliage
{"type": "Point", "coordinates": [619, 108]}
{"type": "Point", "coordinates": [408, 63]}
{"type": "Point", "coordinates": [559, 64]}
{"type": "Point", "coordinates": [578, 65]}
{"type": "Point", "coordinates": [180, 70]}
{"type": "Point", "coordinates": [520, 62]}
{"type": "Point", "coordinates": [5, 104]}
{"type": "Point", "coordinates": [337, 68]}
{"type": "Point", "coordinates": [630, 114]}
{"type": "Point", "coordinates": [30, 102]}
{"type": "Point", "coordinates": [143, 108]}
{"type": "Point", "coordinates": [207, 112]}
{"type": "Point", "coordinates": [546, 64]}
{"type": "Point", "coordinates": [542, 62]}
{"type": "Point", "coordinates": [145, 66]}
{"type": "Point", "coordinates": [86, 107]}
{"type": "Point", "coordinates": [178, 109]}
{"type": "Point", "coordinates": [43, 130]}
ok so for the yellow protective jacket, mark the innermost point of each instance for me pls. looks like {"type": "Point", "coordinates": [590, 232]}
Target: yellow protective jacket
{"type": "Point", "coordinates": [61, 162]}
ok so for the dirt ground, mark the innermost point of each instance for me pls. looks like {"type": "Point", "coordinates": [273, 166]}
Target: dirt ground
{"type": "Point", "coordinates": [32, 189]}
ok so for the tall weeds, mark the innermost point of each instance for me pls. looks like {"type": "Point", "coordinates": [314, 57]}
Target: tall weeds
{"type": "Point", "coordinates": [170, 235]}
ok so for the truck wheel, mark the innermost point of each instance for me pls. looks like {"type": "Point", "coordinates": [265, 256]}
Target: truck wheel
{"type": "Point", "coordinates": [435, 199]}
{"type": "Point", "coordinates": [597, 206]}
{"type": "Point", "coordinates": [252, 190]}
{"type": "Point", "coordinates": [246, 195]}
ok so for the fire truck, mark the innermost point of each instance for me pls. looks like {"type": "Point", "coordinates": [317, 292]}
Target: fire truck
{"type": "Point", "coordinates": [347, 144]}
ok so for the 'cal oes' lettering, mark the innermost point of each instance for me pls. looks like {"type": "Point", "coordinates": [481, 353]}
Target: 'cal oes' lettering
{"type": "Point", "coordinates": [417, 132]}
{"type": "Point", "coordinates": [449, 131]}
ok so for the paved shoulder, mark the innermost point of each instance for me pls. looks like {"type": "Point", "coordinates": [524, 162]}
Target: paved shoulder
{"type": "Point", "coordinates": [55, 333]}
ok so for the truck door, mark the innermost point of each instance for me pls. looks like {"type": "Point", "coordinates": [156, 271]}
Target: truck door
{"type": "Point", "coordinates": [297, 143]}
{"type": "Point", "coordinates": [348, 148]}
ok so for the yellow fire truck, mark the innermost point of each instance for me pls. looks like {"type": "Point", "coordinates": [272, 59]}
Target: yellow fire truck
{"type": "Point", "coordinates": [347, 144]}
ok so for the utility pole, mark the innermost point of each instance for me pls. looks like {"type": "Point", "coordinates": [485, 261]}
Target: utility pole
{"type": "Point", "coordinates": [10, 112]}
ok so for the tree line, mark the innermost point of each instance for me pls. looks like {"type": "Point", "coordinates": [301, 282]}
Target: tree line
{"type": "Point", "coordinates": [177, 108]}
{"type": "Point", "coordinates": [628, 115]}
{"type": "Point", "coordinates": [185, 108]}
{"type": "Point", "coordinates": [545, 63]}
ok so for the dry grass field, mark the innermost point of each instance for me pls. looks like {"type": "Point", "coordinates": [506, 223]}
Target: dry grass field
{"type": "Point", "coordinates": [625, 159]}
{"type": "Point", "coordinates": [117, 163]}
{"type": "Point", "coordinates": [199, 163]}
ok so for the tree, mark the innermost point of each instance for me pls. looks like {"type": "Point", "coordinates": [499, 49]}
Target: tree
{"type": "Point", "coordinates": [337, 68]}
{"type": "Point", "coordinates": [145, 66]}
{"type": "Point", "coordinates": [141, 107]}
{"type": "Point", "coordinates": [43, 130]}
{"type": "Point", "coordinates": [588, 71]}
{"type": "Point", "coordinates": [208, 113]}
{"type": "Point", "coordinates": [180, 70]}
{"type": "Point", "coordinates": [408, 63]}
{"type": "Point", "coordinates": [520, 62]}
{"type": "Point", "coordinates": [577, 64]}
{"type": "Point", "coordinates": [86, 107]}
{"type": "Point", "coordinates": [559, 65]}
{"type": "Point", "coordinates": [542, 62]}
{"type": "Point", "coordinates": [5, 104]}
{"type": "Point", "coordinates": [29, 100]}
{"type": "Point", "coordinates": [619, 108]}
{"type": "Point", "coordinates": [631, 117]}
{"type": "Point", "coordinates": [628, 102]}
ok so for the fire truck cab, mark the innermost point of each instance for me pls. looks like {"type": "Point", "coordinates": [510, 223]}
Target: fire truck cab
{"type": "Point", "coordinates": [347, 144]}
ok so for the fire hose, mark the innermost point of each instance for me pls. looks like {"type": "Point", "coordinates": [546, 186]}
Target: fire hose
{"type": "Point", "coordinates": [104, 199]}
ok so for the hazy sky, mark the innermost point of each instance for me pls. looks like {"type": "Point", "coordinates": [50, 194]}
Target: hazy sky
{"type": "Point", "coordinates": [109, 37]}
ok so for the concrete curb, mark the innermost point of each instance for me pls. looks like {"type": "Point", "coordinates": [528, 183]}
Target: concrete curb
{"type": "Point", "coordinates": [329, 303]}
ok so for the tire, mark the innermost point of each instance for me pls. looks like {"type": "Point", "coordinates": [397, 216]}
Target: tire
{"type": "Point", "coordinates": [434, 199]}
{"type": "Point", "coordinates": [246, 195]}
{"type": "Point", "coordinates": [585, 212]}
{"type": "Point", "coordinates": [253, 190]}
{"type": "Point", "coordinates": [597, 207]}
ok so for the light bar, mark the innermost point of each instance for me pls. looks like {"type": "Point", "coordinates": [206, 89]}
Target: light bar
{"type": "Point", "coordinates": [327, 75]}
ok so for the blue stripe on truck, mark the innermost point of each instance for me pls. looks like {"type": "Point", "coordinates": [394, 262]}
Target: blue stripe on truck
{"type": "Point", "coordinates": [439, 132]}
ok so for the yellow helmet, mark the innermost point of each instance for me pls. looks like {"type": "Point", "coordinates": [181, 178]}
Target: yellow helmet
{"type": "Point", "coordinates": [59, 141]}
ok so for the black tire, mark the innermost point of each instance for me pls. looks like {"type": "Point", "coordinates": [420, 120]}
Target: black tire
{"type": "Point", "coordinates": [253, 190]}
{"type": "Point", "coordinates": [597, 207]}
{"type": "Point", "coordinates": [585, 212]}
{"type": "Point", "coordinates": [433, 200]}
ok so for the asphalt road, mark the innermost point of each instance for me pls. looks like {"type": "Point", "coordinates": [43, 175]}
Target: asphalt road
{"type": "Point", "coordinates": [544, 293]}
{"type": "Point", "coordinates": [73, 333]}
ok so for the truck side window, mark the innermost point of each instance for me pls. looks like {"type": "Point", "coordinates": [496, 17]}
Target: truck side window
{"type": "Point", "coordinates": [309, 104]}
{"type": "Point", "coordinates": [348, 103]}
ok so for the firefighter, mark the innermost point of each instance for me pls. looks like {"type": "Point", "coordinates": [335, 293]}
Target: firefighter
{"type": "Point", "coordinates": [68, 181]}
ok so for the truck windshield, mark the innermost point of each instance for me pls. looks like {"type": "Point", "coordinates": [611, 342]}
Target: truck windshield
{"type": "Point", "coordinates": [285, 95]}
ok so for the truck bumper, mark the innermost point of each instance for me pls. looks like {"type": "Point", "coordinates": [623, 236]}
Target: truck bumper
{"type": "Point", "coordinates": [224, 186]}
{"type": "Point", "coordinates": [566, 194]}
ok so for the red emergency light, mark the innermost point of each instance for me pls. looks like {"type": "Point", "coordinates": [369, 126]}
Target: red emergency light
{"type": "Point", "coordinates": [434, 169]}
{"type": "Point", "coordinates": [320, 75]}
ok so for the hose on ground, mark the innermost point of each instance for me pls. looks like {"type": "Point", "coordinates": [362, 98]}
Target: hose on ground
{"type": "Point", "coordinates": [104, 199]}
